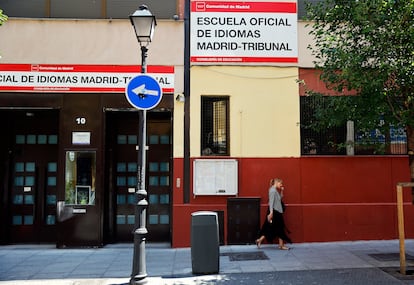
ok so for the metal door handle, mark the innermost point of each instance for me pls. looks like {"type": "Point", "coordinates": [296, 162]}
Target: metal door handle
{"type": "Point", "coordinates": [63, 213]}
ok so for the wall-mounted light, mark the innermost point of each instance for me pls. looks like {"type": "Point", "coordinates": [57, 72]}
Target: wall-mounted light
{"type": "Point", "coordinates": [180, 97]}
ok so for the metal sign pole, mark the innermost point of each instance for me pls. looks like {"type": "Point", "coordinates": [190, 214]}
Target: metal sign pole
{"type": "Point", "coordinates": [139, 268]}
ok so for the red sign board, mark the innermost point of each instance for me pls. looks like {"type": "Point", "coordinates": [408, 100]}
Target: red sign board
{"type": "Point", "coordinates": [78, 78]}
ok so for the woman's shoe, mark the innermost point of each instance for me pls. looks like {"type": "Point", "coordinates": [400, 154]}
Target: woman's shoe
{"type": "Point", "coordinates": [258, 243]}
{"type": "Point", "coordinates": [283, 247]}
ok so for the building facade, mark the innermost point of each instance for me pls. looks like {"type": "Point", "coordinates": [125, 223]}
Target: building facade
{"type": "Point", "coordinates": [69, 151]}
{"type": "Point", "coordinates": [223, 129]}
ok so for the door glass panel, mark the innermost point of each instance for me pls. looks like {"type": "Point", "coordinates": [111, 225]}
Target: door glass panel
{"type": "Point", "coordinates": [50, 219]}
{"type": "Point", "coordinates": [17, 220]}
{"type": "Point", "coordinates": [42, 139]}
{"type": "Point", "coordinates": [164, 139]}
{"type": "Point", "coordinates": [51, 199]}
{"type": "Point", "coordinates": [153, 166]}
{"type": "Point", "coordinates": [120, 219]}
{"type": "Point", "coordinates": [121, 181]}
{"type": "Point", "coordinates": [153, 199]}
{"type": "Point", "coordinates": [52, 167]}
{"type": "Point", "coordinates": [153, 181]}
{"type": "Point", "coordinates": [153, 219]}
{"type": "Point", "coordinates": [132, 139]}
{"type": "Point", "coordinates": [28, 199]}
{"type": "Point", "coordinates": [164, 166]}
{"type": "Point", "coordinates": [131, 199]}
{"type": "Point", "coordinates": [164, 219]}
{"type": "Point", "coordinates": [19, 167]}
{"type": "Point", "coordinates": [164, 199]}
{"type": "Point", "coordinates": [164, 180]}
{"type": "Point", "coordinates": [132, 167]}
{"type": "Point", "coordinates": [121, 139]}
{"type": "Point", "coordinates": [154, 139]}
{"type": "Point", "coordinates": [30, 166]}
{"type": "Point", "coordinates": [53, 139]}
{"type": "Point", "coordinates": [20, 139]}
{"type": "Point", "coordinates": [121, 167]}
{"type": "Point", "coordinates": [18, 199]}
{"type": "Point", "coordinates": [31, 139]}
{"type": "Point", "coordinates": [18, 181]}
{"type": "Point", "coordinates": [51, 181]}
{"type": "Point", "coordinates": [132, 181]}
{"type": "Point", "coordinates": [80, 177]}
{"type": "Point", "coordinates": [120, 199]}
{"type": "Point", "coordinates": [131, 219]}
{"type": "Point", "coordinates": [28, 220]}
{"type": "Point", "coordinates": [29, 181]}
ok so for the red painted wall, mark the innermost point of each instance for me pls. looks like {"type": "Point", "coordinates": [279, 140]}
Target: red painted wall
{"type": "Point", "coordinates": [312, 82]}
{"type": "Point", "coordinates": [328, 198]}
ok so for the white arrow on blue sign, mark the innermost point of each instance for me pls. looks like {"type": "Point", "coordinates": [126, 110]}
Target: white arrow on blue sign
{"type": "Point", "coordinates": [143, 92]}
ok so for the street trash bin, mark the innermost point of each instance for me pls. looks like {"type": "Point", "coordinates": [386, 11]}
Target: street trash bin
{"type": "Point", "coordinates": [205, 250]}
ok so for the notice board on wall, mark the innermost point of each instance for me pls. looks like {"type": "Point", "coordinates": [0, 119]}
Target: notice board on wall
{"type": "Point", "coordinates": [215, 177]}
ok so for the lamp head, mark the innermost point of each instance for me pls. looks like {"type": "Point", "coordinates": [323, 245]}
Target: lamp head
{"type": "Point", "coordinates": [144, 24]}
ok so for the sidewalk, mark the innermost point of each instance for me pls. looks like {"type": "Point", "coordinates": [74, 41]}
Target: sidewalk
{"type": "Point", "coordinates": [369, 261]}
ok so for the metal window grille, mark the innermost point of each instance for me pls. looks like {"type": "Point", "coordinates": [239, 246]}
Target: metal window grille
{"type": "Point", "coordinates": [332, 141]}
{"type": "Point", "coordinates": [318, 141]}
{"type": "Point", "coordinates": [214, 125]}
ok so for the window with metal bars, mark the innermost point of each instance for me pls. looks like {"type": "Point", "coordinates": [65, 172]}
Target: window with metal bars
{"type": "Point", "coordinates": [318, 141]}
{"type": "Point", "coordinates": [333, 141]}
{"type": "Point", "coordinates": [215, 126]}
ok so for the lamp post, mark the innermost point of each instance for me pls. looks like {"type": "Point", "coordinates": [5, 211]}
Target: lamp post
{"type": "Point", "coordinates": [144, 23]}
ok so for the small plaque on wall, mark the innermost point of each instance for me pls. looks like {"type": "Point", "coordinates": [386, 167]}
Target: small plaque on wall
{"type": "Point", "coordinates": [83, 138]}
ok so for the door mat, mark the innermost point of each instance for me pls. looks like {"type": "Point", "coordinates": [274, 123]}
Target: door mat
{"type": "Point", "coordinates": [390, 256]}
{"type": "Point", "coordinates": [245, 256]}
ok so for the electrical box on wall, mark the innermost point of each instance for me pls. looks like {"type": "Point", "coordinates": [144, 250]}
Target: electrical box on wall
{"type": "Point", "coordinates": [215, 177]}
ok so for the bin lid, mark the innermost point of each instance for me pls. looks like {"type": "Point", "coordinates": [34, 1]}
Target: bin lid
{"type": "Point", "coordinates": [204, 213]}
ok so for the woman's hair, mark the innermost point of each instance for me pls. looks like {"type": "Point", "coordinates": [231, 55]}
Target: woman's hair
{"type": "Point", "coordinates": [274, 180]}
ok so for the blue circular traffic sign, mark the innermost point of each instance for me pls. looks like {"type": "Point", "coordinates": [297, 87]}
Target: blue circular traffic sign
{"type": "Point", "coordinates": [143, 92]}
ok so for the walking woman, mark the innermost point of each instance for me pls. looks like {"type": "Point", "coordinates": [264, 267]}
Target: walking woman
{"type": "Point", "coordinates": [274, 224]}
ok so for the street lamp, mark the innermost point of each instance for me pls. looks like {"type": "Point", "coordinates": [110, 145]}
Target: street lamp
{"type": "Point", "coordinates": [144, 23]}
